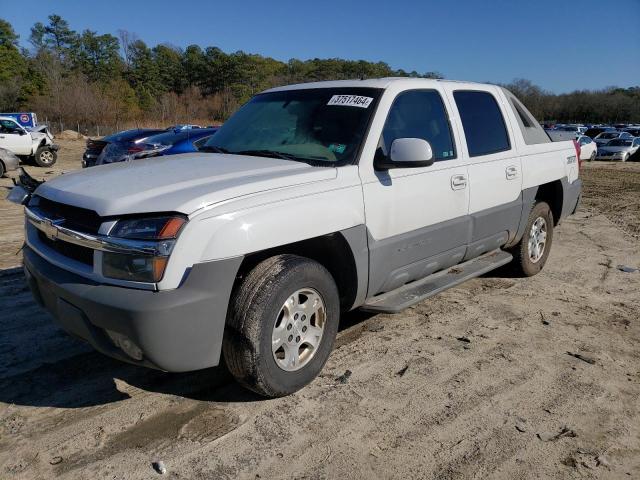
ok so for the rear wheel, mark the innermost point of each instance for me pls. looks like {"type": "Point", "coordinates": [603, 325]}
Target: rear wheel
{"type": "Point", "coordinates": [45, 157]}
{"type": "Point", "coordinates": [282, 323]}
{"type": "Point", "coordinates": [531, 253]}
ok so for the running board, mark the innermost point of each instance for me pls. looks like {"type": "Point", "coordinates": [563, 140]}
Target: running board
{"type": "Point", "coordinates": [403, 297]}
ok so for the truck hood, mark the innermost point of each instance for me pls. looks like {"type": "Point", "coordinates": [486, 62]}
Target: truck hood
{"type": "Point", "coordinates": [177, 183]}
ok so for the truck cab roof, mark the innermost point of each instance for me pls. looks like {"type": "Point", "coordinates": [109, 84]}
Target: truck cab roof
{"type": "Point", "coordinates": [381, 83]}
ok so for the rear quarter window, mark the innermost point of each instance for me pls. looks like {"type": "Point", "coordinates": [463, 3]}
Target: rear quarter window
{"type": "Point", "coordinates": [482, 121]}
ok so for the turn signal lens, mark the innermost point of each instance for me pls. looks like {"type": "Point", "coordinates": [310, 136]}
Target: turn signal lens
{"type": "Point", "coordinates": [172, 228]}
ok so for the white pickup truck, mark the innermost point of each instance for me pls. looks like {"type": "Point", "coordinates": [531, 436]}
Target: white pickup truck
{"type": "Point", "coordinates": [28, 142]}
{"type": "Point", "coordinates": [310, 201]}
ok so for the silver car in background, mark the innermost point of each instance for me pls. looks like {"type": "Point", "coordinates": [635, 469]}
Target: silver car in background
{"type": "Point", "coordinates": [620, 149]}
{"type": "Point", "coordinates": [8, 161]}
{"type": "Point", "coordinates": [606, 137]}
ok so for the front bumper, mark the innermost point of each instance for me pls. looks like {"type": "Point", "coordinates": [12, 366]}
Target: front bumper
{"type": "Point", "coordinates": [609, 156]}
{"type": "Point", "coordinates": [89, 160]}
{"type": "Point", "coordinates": [177, 330]}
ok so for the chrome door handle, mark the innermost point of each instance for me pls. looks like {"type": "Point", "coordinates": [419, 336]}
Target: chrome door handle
{"type": "Point", "coordinates": [512, 172]}
{"type": "Point", "coordinates": [458, 182]}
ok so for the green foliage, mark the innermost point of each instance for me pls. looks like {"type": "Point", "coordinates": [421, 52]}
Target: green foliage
{"type": "Point", "coordinates": [8, 37]}
{"type": "Point", "coordinates": [56, 36]}
{"type": "Point", "coordinates": [97, 56]}
{"type": "Point", "coordinates": [73, 77]}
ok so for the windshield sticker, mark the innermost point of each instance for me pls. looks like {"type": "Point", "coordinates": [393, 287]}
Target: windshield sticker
{"type": "Point", "coordinates": [337, 147]}
{"type": "Point", "coordinates": [350, 101]}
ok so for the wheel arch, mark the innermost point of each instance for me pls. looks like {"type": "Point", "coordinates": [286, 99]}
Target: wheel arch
{"type": "Point", "coordinates": [553, 194]}
{"type": "Point", "coordinates": [342, 253]}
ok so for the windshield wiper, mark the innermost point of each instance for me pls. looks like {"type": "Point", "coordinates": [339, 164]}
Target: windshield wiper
{"type": "Point", "coordinates": [285, 156]}
{"type": "Point", "coordinates": [213, 149]}
{"type": "Point", "coordinates": [268, 153]}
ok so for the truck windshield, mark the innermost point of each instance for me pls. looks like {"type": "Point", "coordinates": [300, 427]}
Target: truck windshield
{"type": "Point", "coordinates": [323, 126]}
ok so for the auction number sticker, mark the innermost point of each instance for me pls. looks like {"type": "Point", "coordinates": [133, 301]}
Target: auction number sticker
{"type": "Point", "coordinates": [350, 101]}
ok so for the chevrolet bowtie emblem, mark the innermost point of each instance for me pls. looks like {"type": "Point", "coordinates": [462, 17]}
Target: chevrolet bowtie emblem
{"type": "Point", "coordinates": [50, 228]}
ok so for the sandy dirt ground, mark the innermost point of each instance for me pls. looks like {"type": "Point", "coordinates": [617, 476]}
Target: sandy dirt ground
{"type": "Point", "coordinates": [498, 378]}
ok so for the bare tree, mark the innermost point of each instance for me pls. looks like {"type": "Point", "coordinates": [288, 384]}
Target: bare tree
{"type": "Point", "coordinates": [127, 39]}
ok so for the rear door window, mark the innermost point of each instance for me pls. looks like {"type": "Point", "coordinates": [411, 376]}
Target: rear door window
{"type": "Point", "coordinates": [482, 121]}
{"type": "Point", "coordinates": [419, 114]}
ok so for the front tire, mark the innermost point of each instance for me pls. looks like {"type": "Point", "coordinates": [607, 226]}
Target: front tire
{"type": "Point", "coordinates": [531, 253]}
{"type": "Point", "coordinates": [45, 157]}
{"type": "Point", "coordinates": [1, 170]}
{"type": "Point", "coordinates": [282, 323]}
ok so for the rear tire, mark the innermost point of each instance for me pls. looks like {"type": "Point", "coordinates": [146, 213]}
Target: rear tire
{"type": "Point", "coordinates": [531, 253]}
{"type": "Point", "coordinates": [45, 157]}
{"type": "Point", "coordinates": [266, 331]}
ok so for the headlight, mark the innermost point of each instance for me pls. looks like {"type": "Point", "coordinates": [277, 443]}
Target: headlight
{"type": "Point", "coordinates": [159, 232]}
{"type": "Point", "coordinates": [154, 228]}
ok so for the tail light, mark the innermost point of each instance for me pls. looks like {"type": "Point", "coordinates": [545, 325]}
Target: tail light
{"type": "Point", "coordinates": [135, 149]}
{"type": "Point", "coordinates": [576, 145]}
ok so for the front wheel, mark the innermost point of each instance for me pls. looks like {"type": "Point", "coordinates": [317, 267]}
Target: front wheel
{"type": "Point", "coordinates": [282, 322]}
{"type": "Point", "coordinates": [45, 157]}
{"type": "Point", "coordinates": [531, 253]}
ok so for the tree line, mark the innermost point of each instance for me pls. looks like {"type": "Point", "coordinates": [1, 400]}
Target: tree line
{"type": "Point", "coordinates": [87, 78]}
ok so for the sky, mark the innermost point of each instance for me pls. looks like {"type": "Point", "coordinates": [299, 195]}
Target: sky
{"type": "Point", "coordinates": [559, 45]}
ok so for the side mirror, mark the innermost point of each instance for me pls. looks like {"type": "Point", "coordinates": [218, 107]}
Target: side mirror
{"type": "Point", "coordinates": [21, 132]}
{"type": "Point", "coordinates": [407, 153]}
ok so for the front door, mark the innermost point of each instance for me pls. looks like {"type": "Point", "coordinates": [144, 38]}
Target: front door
{"type": "Point", "coordinates": [14, 138]}
{"type": "Point", "coordinates": [417, 218]}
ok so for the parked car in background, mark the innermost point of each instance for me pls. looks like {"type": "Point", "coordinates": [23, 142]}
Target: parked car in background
{"type": "Point", "coordinates": [605, 137]}
{"type": "Point", "coordinates": [593, 132]}
{"type": "Point", "coordinates": [621, 149]}
{"type": "Point", "coordinates": [36, 144]}
{"type": "Point", "coordinates": [8, 161]}
{"type": "Point", "coordinates": [172, 143]}
{"type": "Point", "coordinates": [635, 131]}
{"type": "Point", "coordinates": [183, 126]}
{"type": "Point", "coordinates": [164, 142]}
{"type": "Point", "coordinates": [575, 129]}
{"type": "Point", "coordinates": [95, 147]}
{"type": "Point", "coordinates": [588, 148]}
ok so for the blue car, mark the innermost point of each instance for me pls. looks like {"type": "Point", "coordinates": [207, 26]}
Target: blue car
{"type": "Point", "coordinates": [168, 142]}
{"type": "Point", "coordinates": [175, 141]}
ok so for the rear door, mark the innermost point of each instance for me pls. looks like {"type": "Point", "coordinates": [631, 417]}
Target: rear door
{"type": "Point", "coordinates": [495, 170]}
{"type": "Point", "coordinates": [417, 217]}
